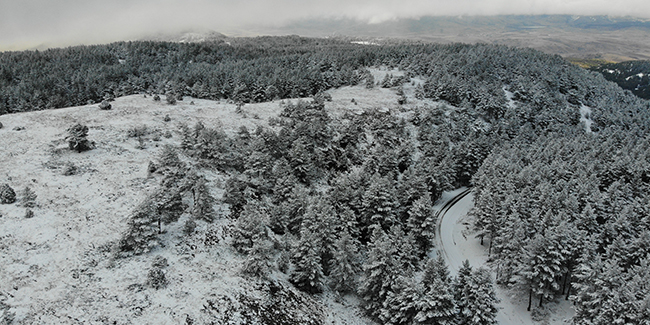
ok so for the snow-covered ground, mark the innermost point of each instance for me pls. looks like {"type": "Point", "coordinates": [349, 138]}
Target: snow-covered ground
{"type": "Point", "coordinates": [585, 117]}
{"type": "Point", "coordinates": [58, 267]}
{"type": "Point", "coordinates": [455, 240]}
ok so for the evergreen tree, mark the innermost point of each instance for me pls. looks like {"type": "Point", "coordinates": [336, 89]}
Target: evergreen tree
{"type": "Point", "coordinates": [380, 271]}
{"type": "Point", "coordinates": [308, 272]}
{"type": "Point", "coordinates": [250, 227]}
{"type": "Point", "coordinates": [437, 305]}
{"type": "Point", "coordinates": [379, 203]}
{"type": "Point", "coordinates": [344, 264]}
{"type": "Point", "coordinates": [7, 194]}
{"type": "Point", "coordinates": [421, 223]}
{"type": "Point", "coordinates": [77, 138]}
{"type": "Point", "coordinates": [258, 261]}
{"type": "Point", "coordinates": [477, 299]}
{"type": "Point", "coordinates": [142, 232]}
{"type": "Point", "coordinates": [203, 201]}
{"type": "Point", "coordinates": [401, 304]}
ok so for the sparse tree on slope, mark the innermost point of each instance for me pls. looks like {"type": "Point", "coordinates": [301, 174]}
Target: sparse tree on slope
{"type": "Point", "coordinates": [77, 138]}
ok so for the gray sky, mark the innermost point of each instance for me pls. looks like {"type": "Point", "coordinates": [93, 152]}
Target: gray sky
{"type": "Point", "coordinates": [31, 23]}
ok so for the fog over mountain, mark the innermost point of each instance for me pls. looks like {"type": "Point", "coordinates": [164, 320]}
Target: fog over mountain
{"type": "Point", "coordinates": [43, 23]}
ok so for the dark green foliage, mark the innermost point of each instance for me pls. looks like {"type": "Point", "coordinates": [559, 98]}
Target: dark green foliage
{"type": "Point", "coordinates": [421, 223]}
{"type": "Point", "coordinates": [630, 75]}
{"type": "Point", "coordinates": [437, 304]}
{"type": "Point", "coordinates": [7, 194]}
{"type": "Point", "coordinates": [141, 235]}
{"type": "Point", "coordinates": [28, 198]}
{"type": "Point", "coordinates": [77, 138]}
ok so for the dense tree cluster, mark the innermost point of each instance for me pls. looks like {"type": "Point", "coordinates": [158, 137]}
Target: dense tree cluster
{"type": "Point", "coordinates": [557, 208]}
{"type": "Point", "coordinates": [558, 156]}
{"type": "Point", "coordinates": [630, 75]}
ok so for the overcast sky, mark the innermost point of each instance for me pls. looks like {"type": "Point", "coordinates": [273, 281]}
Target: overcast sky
{"type": "Point", "coordinates": [30, 23]}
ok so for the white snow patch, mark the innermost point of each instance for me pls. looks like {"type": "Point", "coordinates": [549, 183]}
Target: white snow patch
{"type": "Point", "coordinates": [509, 96]}
{"type": "Point", "coordinates": [639, 75]}
{"type": "Point", "coordinates": [364, 43]}
{"type": "Point", "coordinates": [585, 117]}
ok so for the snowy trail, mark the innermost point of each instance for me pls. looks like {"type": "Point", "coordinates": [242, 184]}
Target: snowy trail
{"type": "Point", "coordinates": [456, 247]}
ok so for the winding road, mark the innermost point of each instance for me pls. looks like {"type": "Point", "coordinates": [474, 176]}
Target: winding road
{"type": "Point", "coordinates": [457, 247]}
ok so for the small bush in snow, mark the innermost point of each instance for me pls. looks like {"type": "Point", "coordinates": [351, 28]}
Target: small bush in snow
{"type": "Point", "coordinates": [0, 125]}
{"type": "Point", "coordinates": [77, 138]}
{"type": "Point", "coordinates": [156, 98]}
{"type": "Point", "coordinates": [167, 118]}
{"type": "Point", "coordinates": [156, 278]}
{"type": "Point", "coordinates": [28, 198]}
{"type": "Point", "coordinates": [105, 105]}
{"type": "Point", "coordinates": [189, 227]}
{"type": "Point", "coordinates": [29, 214]}
{"type": "Point", "coordinates": [137, 131]}
{"type": "Point", "coordinates": [7, 194]}
{"type": "Point", "coordinates": [70, 169]}
{"type": "Point", "coordinates": [171, 99]}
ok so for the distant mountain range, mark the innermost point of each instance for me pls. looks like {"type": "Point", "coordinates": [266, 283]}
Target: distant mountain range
{"type": "Point", "coordinates": [613, 39]}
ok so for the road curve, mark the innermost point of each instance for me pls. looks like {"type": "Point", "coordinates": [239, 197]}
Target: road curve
{"type": "Point", "coordinates": [455, 247]}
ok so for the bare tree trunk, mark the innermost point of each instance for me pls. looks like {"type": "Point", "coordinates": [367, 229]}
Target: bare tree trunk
{"type": "Point", "coordinates": [568, 290]}
{"type": "Point", "coordinates": [490, 248]}
{"type": "Point", "coordinates": [530, 298]}
{"type": "Point", "coordinates": [566, 276]}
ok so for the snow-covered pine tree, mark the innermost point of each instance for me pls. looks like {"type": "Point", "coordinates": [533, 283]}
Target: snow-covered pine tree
{"type": "Point", "coordinates": [203, 201]}
{"type": "Point", "coordinates": [320, 220]}
{"type": "Point", "coordinates": [344, 264]}
{"type": "Point", "coordinates": [380, 271]}
{"type": "Point", "coordinates": [477, 303]}
{"type": "Point", "coordinates": [437, 304]}
{"type": "Point", "coordinates": [7, 194]}
{"type": "Point", "coordinates": [421, 223]}
{"type": "Point", "coordinates": [405, 249]}
{"type": "Point", "coordinates": [460, 284]}
{"type": "Point", "coordinates": [142, 232]}
{"type": "Point", "coordinates": [251, 226]}
{"type": "Point", "coordinates": [379, 203]}
{"type": "Point", "coordinates": [401, 304]}
{"type": "Point", "coordinates": [308, 272]}
{"type": "Point", "coordinates": [258, 262]}
{"type": "Point", "coordinates": [436, 269]}
{"type": "Point", "coordinates": [28, 198]}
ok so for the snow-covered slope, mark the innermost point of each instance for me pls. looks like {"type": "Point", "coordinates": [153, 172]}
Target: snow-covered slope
{"type": "Point", "coordinates": [59, 267]}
